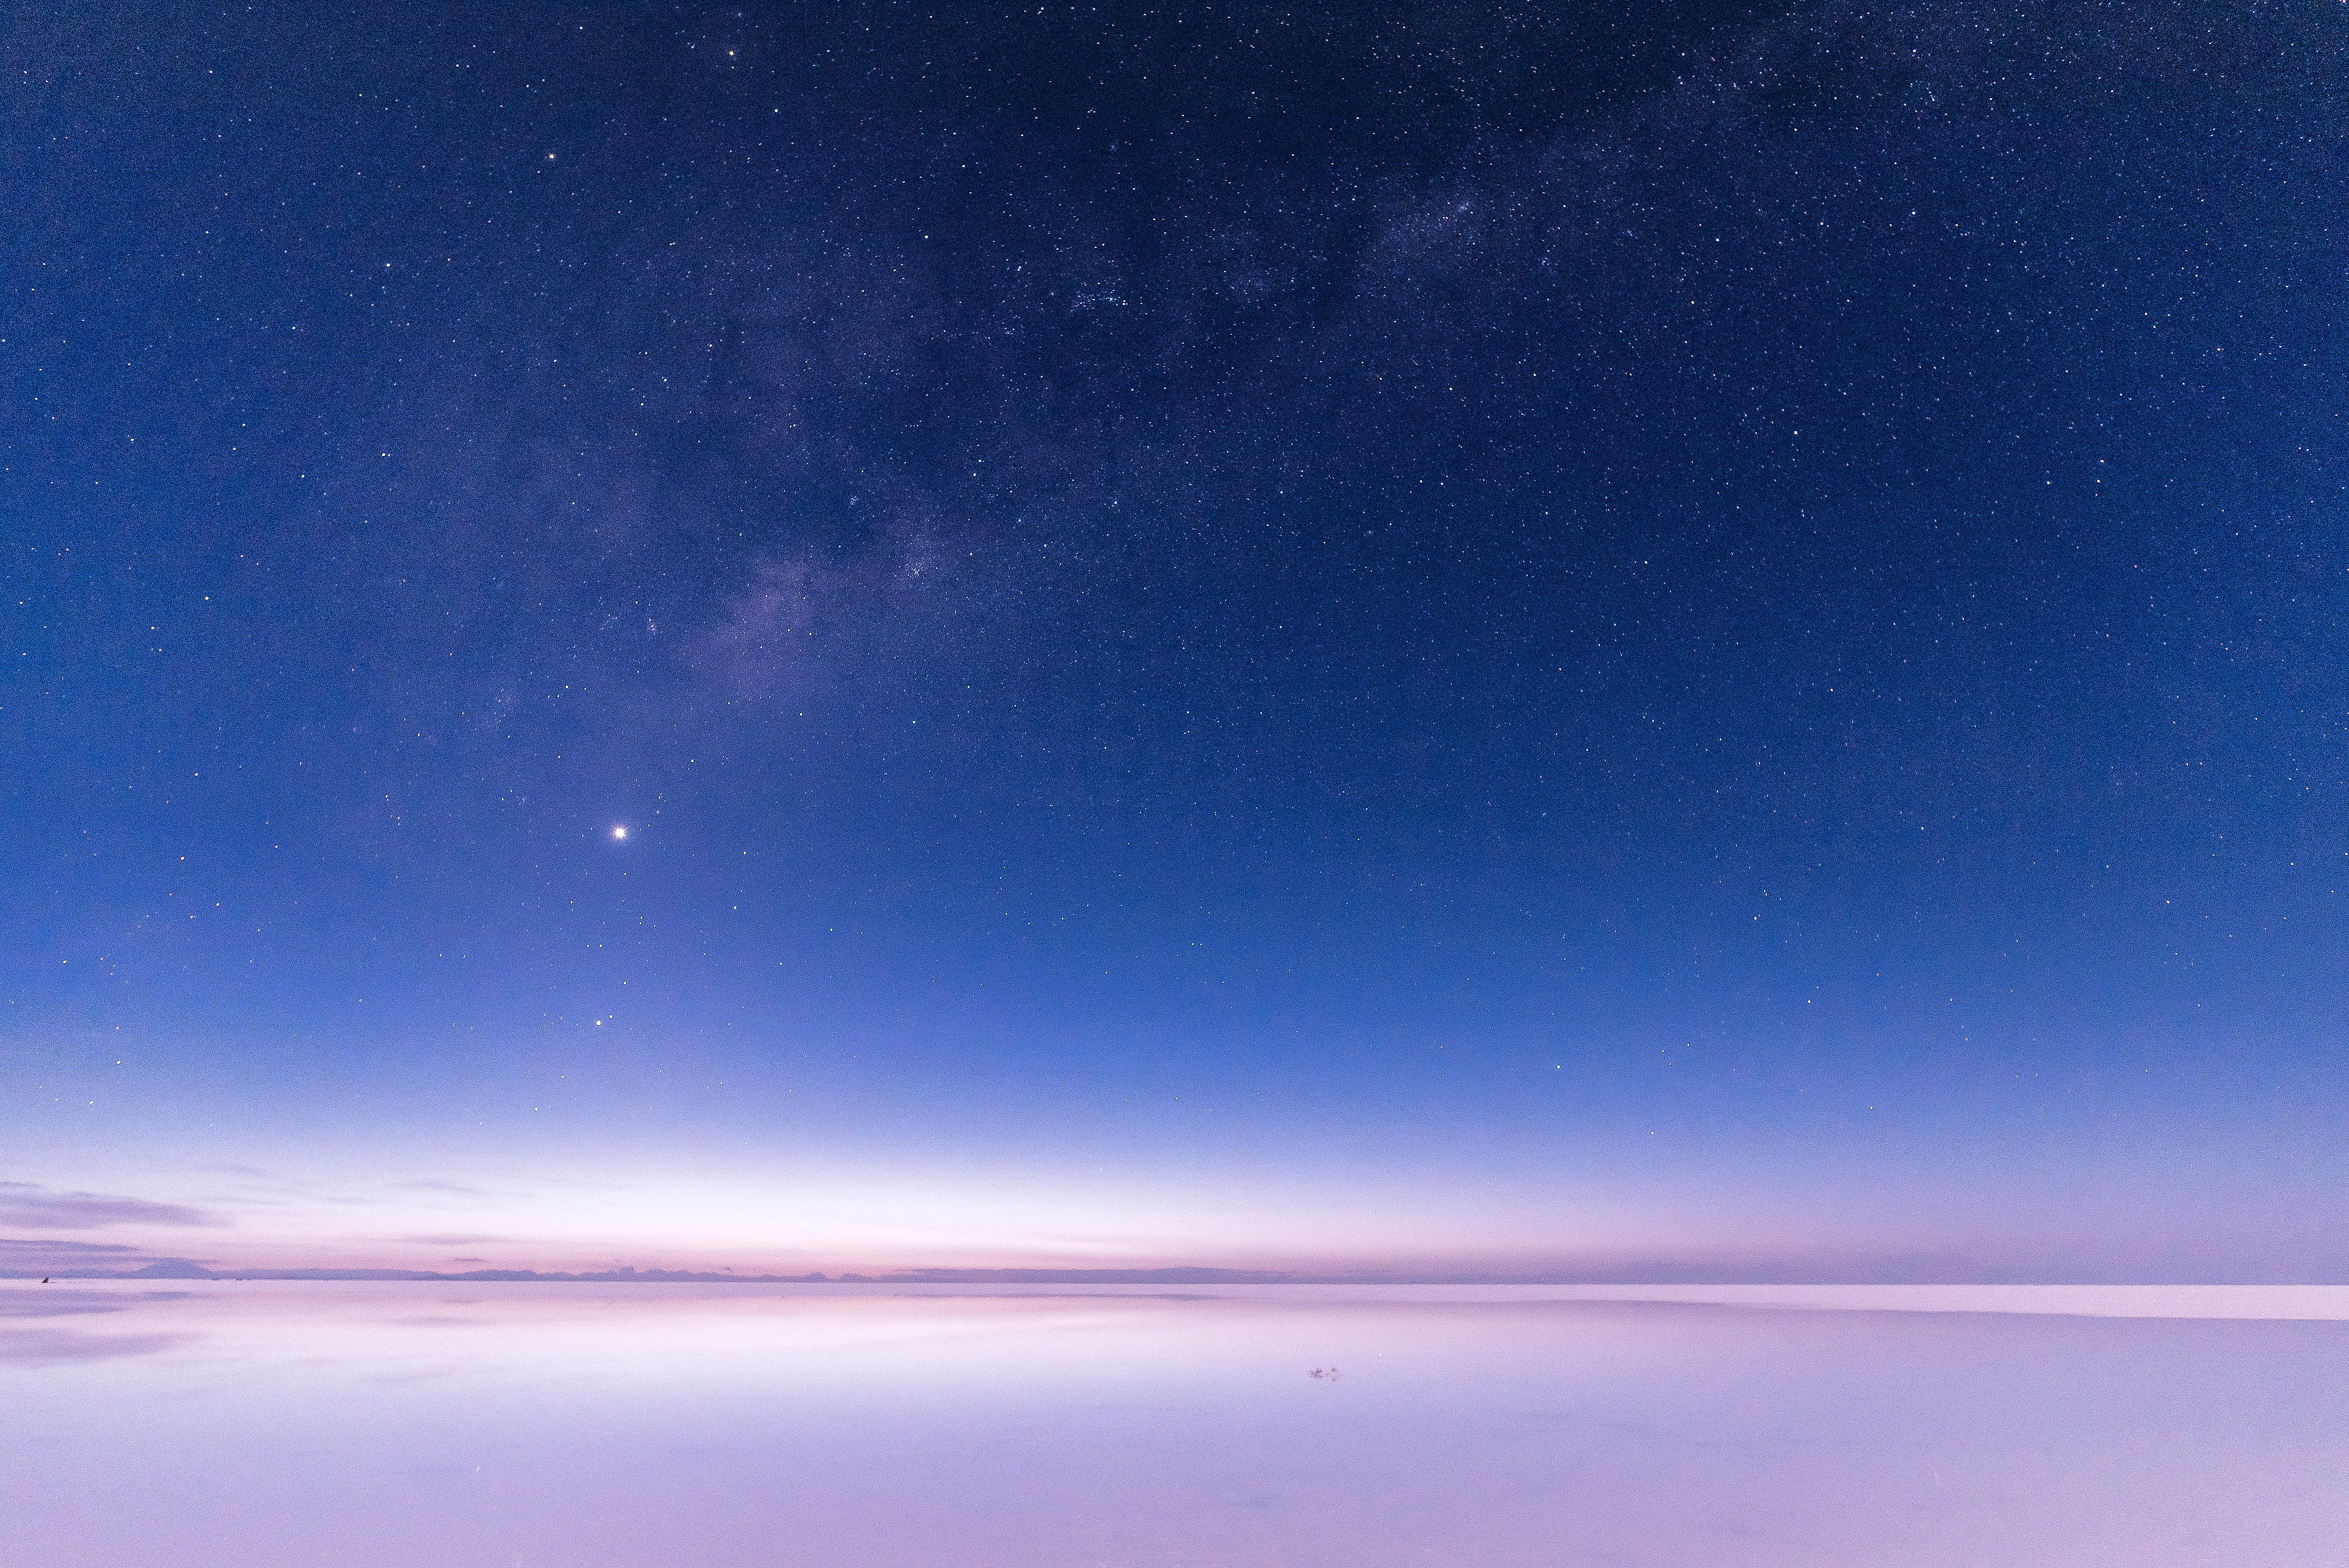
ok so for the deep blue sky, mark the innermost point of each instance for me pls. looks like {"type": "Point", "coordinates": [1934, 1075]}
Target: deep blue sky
{"type": "Point", "coordinates": [1431, 637]}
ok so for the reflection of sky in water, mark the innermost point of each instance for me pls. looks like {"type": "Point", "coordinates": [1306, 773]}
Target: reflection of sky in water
{"type": "Point", "coordinates": [258, 1425]}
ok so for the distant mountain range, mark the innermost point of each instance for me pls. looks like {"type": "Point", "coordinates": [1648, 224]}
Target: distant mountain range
{"type": "Point", "coordinates": [175, 1268]}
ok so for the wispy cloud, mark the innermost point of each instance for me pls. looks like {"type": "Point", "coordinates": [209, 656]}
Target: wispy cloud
{"type": "Point", "coordinates": [26, 1206]}
{"type": "Point", "coordinates": [26, 1256]}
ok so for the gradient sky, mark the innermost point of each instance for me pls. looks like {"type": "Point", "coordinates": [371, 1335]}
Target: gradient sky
{"type": "Point", "coordinates": [1589, 642]}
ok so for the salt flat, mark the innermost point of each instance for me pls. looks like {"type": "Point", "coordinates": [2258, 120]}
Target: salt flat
{"type": "Point", "coordinates": [625, 1427]}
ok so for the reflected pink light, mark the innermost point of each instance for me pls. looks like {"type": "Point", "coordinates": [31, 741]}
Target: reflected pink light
{"type": "Point", "coordinates": [609, 1426]}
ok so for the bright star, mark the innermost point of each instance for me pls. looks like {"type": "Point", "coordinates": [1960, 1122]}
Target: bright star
{"type": "Point", "coordinates": [619, 832]}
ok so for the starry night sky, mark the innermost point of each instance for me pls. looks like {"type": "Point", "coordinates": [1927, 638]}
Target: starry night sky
{"type": "Point", "coordinates": [1600, 641]}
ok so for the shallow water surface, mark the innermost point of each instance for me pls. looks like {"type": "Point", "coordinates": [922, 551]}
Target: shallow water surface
{"type": "Point", "coordinates": [250, 1425]}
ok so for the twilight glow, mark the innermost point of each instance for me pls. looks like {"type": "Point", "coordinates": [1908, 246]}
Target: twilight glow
{"type": "Point", "coordinates": [1699, 644]}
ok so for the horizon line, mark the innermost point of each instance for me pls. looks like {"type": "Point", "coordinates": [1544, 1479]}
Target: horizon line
{"type": "Point", "coordinates": [178, 1269]}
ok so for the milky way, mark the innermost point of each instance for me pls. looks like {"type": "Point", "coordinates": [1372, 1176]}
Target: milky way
{"type": "Point", "coordinates": [1712, 631]}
